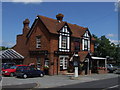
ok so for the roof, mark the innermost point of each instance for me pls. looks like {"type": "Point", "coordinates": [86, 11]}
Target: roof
{"type": "Point", "coordinates": [54, 26]}
{"type": "Point", "coordinates": [10, 54]}
{"type": "Point", "coordinates": [83, 55]}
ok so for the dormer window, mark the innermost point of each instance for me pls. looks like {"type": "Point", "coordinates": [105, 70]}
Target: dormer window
{"type": "Point", "coordinates": [86, 42]}
{"type": "Point", "coordinates": [64, 40]}
{"type": "Point", "coordinates": [38, 42]}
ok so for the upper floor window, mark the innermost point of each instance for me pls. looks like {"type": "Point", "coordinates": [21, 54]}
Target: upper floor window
{"type": "Point", "coordinates": [86, 42]}
{"type": "Point", "coordinates": [64, 40]}
{"type": "Point", "coordinates": [38, 42]}
{"type": "Point", "coordinates": [76, 44]}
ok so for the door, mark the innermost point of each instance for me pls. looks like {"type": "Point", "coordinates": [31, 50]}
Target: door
{"type": "Point", "coordinates": [63, 62]}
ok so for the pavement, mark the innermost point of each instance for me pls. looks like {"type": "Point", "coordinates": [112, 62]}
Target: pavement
{"type": "Point", "coordinates": [52, 81]}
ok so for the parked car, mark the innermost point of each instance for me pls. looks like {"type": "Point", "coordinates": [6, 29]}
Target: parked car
{"type": "Point", "coordinates": [117, 71]}
{"type": "Point", "coordinates": [7, 65]}
{"type": "Point", "coordinates": [11, 71]}
{"type": "Point", "coordinates": [28, 71]}
{"type": "Point", "coordinates": [111, 68]}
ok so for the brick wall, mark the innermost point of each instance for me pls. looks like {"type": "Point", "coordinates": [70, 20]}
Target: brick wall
{"type": "Point", "coordinates": [49, 42]}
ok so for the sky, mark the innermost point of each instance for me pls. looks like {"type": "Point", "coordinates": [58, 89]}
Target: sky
{"type": "Point", "coordinates": [100, 17]}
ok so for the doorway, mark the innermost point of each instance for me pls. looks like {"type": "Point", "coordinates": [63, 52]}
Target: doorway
{"type": "Point", "coordinates": [63, 62]}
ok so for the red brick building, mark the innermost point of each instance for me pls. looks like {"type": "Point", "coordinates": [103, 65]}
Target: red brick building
{"type": "Point", "coordinates": [53, 42]}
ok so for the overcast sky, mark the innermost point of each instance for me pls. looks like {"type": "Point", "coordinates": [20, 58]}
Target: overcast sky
{"type": "Point", "coordinates": [100, 17]}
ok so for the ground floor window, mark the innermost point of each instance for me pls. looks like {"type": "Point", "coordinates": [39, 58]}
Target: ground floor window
{"type": "Point", "coordinates": [46, 62]}
{"type": "Point", "coordinates": [63, 62]}
{"type": "Point", "coordinates": [38, 62]}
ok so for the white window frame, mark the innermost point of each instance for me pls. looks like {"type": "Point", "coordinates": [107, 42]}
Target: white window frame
{"type": "Point", "coordinates": [62, 62]}
{"type": "Point", "coordinates": [86, 37]}
{"type": "Point", "coordinates": [46, 62]}
{"type": "Point", "coordinates": [38, 63]}
{"type": "Point", "coordinates": [38, 42]}
{"type": "Point", "coordinates": [66, 33]}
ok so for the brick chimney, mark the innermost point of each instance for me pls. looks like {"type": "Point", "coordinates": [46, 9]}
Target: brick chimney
{"type": "Point", "coordinates": [59, 17]}
{"type": "Point", "coordinates": [26, 27]}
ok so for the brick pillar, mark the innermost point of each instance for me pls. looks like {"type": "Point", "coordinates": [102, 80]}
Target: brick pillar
{"type": "Point", "coordinates": [51, 64]}
{"type": "Point", "coordinates": [55, 65]}
{"type": "Point", "coordinates": [42, 63]}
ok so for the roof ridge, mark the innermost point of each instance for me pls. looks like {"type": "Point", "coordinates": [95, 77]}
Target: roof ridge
{"type": "Point", "coordinates": [62, 21]}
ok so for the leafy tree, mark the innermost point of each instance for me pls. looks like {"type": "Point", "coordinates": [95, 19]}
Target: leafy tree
{"type": "Point", "coordinates": [3, 48]}
{"type": "Point", "coordinates": [117, 54]}
{"type": "Point", "coordinates": [103, 47]}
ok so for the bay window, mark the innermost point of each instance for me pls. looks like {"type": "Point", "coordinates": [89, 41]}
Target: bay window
{"type": "Point", "coordinates": [86, 42]}
{"type": "Point", "coordinates": [64, 40]}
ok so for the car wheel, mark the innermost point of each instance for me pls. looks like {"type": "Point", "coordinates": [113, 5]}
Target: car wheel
{"type": "Point", "coordinates": [11, 74]}
{"type": "Point", "coordinates": [25, 76]}
{"type": "Point", "coordinates": [41, 75]}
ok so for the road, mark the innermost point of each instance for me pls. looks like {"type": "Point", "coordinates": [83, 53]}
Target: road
{"type": "Point", "coordinates": [63, 81]}
{"type": "Point", "coordinates": [106, 84]}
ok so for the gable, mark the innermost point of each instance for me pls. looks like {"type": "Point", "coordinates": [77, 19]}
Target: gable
{"type": "Point", "coordinates": [86, 34]}
{"type": "Point", "coordinates": [65, 29]}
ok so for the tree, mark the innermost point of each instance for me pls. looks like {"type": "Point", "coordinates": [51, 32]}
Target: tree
{"type": "Point", "coordinates": [103, 47]}
{"type": "Point", "coordinates": [117, 54]}
{"type": "Point", "coordinates": [3, 48]}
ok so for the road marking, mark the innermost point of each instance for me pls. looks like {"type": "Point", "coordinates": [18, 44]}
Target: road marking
{"type": "Point", "coordinates": [38, 85]}
{"type": "Point", "coordinates": [111, 87]}
{"type": "Point", "coordinates": [114, 86]}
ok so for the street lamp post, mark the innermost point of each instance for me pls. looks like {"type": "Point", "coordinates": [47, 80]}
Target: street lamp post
{"type": "Point", "coordinates": [76, 63]}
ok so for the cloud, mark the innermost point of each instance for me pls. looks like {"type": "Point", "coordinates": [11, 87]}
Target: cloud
{"type": "Point", "coordinates": [115, 41]}
{"type": "Point", "coordinates": [23, 1]}
{"type": "Point", "coordinates": [117, 6]}
{"type": "Point", "coordinates": [111, 35]}
{"type": "Point", "coordinates": [6, 44]}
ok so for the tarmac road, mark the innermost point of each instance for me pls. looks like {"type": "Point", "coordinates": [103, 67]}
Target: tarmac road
{"type": "Point", "coordinates": [62, 81]}
{"type": "Point", "coordinates": [106, 84]}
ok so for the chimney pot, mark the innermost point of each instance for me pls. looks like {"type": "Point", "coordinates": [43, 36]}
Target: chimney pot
{"type": "Point", "coordinates": [26, 22]}
{"type": "Point", "coordinates": [26, 26]}
{"type": "Point", "coordinates": [60, 17]}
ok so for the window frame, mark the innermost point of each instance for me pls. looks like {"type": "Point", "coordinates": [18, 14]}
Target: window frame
{"type": "Point", "coordinates": [38, 63]}
{"type": "Point", "coordinates": [63, 62]}
{"type": "Point", "coordinates": [64, 33]}
{"type": "Point", "coordinates": [38, 42]}
{"type": "Point", "coordinates": [86, 36]}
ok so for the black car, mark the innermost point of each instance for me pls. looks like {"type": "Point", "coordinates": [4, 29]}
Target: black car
{"type": "Point", "coordinates": [28, 71]}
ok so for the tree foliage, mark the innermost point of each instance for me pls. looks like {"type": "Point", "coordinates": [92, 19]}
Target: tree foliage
{"type": "Point", "coordinates": [103, 48]}
{"type": "Point", "coordinates": [3, 48]}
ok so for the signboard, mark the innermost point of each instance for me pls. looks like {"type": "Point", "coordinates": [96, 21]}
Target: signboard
{"type": "Point", "coordinates": [76, 61]}
{"type": "Point", "coordinates": [61, 53]}
{"type": "Point", "coordinates": [42, 52]}
{"type": "Point", "coordinates": [75, 64]}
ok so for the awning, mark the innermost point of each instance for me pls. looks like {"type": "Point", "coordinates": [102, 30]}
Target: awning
{"type": "Point", "coordinates": [10, 54]}
{"type": "Point", "coordinates": [98, 58]}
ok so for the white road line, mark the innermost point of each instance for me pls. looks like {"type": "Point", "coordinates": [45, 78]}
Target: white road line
{"type": "Point", "coordinates": [114, 86]}
{"type": "Point", "coordinates": [111, 87]}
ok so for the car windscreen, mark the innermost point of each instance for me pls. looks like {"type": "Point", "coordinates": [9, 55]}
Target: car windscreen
{"type": "Point", "coordinates": [22, 68]}
{"type": "Point", "coordinates": [5, 66]}
{"type": "Point", "coordinates": [13, 67]}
